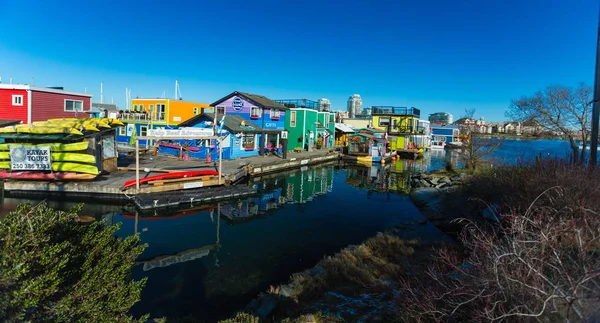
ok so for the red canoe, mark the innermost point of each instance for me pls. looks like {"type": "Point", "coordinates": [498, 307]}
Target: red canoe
{"type": "Point", "coordinates": [186, 174]}
{"type": "Point", "coordinates": [45, 176]}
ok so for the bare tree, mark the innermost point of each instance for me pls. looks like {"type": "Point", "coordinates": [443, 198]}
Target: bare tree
{"type": "Point", "coordinates": [560, 110]}
{"type": "Point", "coordinates": [469, 113]}
{"type": "Point", "coordinates": [475, 148]}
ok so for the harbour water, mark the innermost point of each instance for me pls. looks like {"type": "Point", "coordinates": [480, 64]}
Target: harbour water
{"type": "Point", "coordinates": [207, 261]}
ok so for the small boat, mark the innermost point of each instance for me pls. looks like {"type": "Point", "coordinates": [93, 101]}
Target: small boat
{"type": "Point", "coordinates": [438, 145]}
{"type": "Point", "coordinates": [176, 175]}
{"type": "Point", "coordinates": [40, 130]}
{"type": "Point", "coordinates": [62, 156]}
{"type": "Point", "coordinates": [54, 147]}
{"type": "Point", "coordinates": [188, 148]}
{"type": "Point", "coordinates": [64, 167]}
{"type": "Point", "coordinates": [45, 176]}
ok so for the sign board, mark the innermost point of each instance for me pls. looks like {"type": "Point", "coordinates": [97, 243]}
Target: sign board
{"type": "Point", "coordinates": [181, 132]}
{"type": "Point", "coordinates": [30, 158]}
{"type": "Point", "coordinates": [284, 135]}
{"type": "Point", "coordinates": [130, 127]}
{"type": "Point", "coordinates": [108, 147]}
{"type": "Point", "coordinates": [237, 104]}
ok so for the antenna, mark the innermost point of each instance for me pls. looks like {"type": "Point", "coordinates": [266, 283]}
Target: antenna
{"type": "Point", "coordinates": [101, 93]}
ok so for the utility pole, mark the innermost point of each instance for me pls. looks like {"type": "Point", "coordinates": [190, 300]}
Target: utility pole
{"type": "Point", "coordinates": [596, 106]}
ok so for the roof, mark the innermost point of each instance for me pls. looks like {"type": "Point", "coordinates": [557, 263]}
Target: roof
{"type": "Point", "coordinates": [259, 100]}
{"type": "Point", "coordinates": [233, 123]}
{"type": "Point", "coordinates": [344, 128]}
{"type": "Point", "coordinates": [6, 123]}
{"type": "Point", "coordinates": [41, 89]}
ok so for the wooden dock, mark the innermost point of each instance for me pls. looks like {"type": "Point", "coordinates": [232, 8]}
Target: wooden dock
{"type": "Point", "coordinates": [291, 163]}
{"type": "Point", "coordinates": [188, 198]}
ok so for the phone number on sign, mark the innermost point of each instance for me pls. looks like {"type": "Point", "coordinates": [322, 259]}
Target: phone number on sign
{"type": "Point", "coordinates": [31, 166]}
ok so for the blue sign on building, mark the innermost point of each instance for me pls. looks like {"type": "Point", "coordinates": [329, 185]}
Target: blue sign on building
{"type": "Point", "coordinates": [237, 104]}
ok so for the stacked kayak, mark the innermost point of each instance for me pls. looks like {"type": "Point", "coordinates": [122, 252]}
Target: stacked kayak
{"type": "Point", "coordinates": [67, 162]}
{"type": "Point", "coordinates": [170, 176]}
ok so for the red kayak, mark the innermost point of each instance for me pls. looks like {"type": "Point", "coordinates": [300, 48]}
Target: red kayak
{"type": "Point", "coordinates": [186, 174]}
{"type": "Point", "coordinates": [33, 175]}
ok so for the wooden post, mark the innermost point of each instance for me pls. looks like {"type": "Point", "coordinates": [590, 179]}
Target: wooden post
{"type": "Point", "coordinates": [220, 159]}
{"type": "Point", "coordinates": [137, 164]}
{"type": "Point", "coordinates": [135, 224]}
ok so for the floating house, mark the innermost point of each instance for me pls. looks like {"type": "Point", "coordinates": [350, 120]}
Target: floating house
{"type": "Point", "coordinates": [241, 138]}
{"type": "Point", "coordinates": [442, 134]}
{"type": "Point", "coordinates": [146, 114]}
{"type": "Point", "coordinates": [341, 134]}
{"type": "Point", "coordinates": [367, 145]}
{"type": "Point", "coordinates": [263, 113]}
{"type": "Point", "coordinates": [30, 104]}
{"type": "Point", "coordinates": [308, 127]}
{"type": "Point", "coordinates": [400, 123]}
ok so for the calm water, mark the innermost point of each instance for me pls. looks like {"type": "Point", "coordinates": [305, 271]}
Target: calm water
{"type": "Point", "coordinates": [210, 260]}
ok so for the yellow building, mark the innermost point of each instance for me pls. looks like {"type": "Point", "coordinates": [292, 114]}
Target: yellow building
{"type": "Point", "coordinates": [400, 123]}
{"type": "Point", "coordinates": [169, 111]}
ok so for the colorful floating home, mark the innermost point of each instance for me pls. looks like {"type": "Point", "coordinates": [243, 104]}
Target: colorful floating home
{"type": "Point", "coordinates": [400, 123]}
{"type": "Point", "coordinates": [241, 138]}
{"type": "Point", "coordinates": [342, 131]}
{"type": "Point", "coordinates": [30, 104]}
{"type": "Point", "coordinates": [59, 149]}
{"type": "Point", "coordinates": [308, 127]}
{"type": "Point", "coordinates": [146, 114]}
{"type": "Point", "coordinates": [442, 134]}
{"type": "Point", "coordinates": [266, 114]}
{"type": "Point", "coordinates": [367, 145]}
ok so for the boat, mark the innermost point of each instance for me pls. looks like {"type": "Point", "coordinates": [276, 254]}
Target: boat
{"type": "Point", "coordinates": [438, 145]}
{"type": "Point", "coordinates": [40, 130]}
{"type": "Point", "coordinates": [175, 175]}
{"type": "Point", "coordinates": [45, 176]}
{"type": "Point", "coordinates": [54, 147]}
{"type": "Point", "coordinates": [62, 156]}
{"type": "Point", "coordinates": [64, 167]}
{"type": "Point", "coordinates": [188, 148]}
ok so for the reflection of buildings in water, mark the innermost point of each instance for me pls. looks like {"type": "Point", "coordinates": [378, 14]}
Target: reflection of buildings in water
{"type": "Point", "coordinates": [302, 187]}
{"type": "Point", "coordinates": [379, 178]}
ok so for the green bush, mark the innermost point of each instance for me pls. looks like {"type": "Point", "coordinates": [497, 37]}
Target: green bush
{"type": "Point", "coordinates": [55, 269]}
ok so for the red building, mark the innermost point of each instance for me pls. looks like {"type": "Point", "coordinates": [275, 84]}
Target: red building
{"type": "Point", "coordinates": [30, 103]}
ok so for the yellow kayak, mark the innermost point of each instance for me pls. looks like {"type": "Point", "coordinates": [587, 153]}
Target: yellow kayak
{"type": "Point", "coordinates": [69, 124]}
{"type": "Point", "coordinates": [54, 147]}
{"type": "Point", "coordinates": [39, 130]}
{"type": "Point", "coordinates": [72, 157]}
{"type": "Point", "coordinates": [64, 167]}
{"type": "Point", "coordinates": [99, 120]}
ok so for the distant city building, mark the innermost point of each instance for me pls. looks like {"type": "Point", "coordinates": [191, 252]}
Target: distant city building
{"type": "Point", "coordinates": [354, 105]}
{"type": "Point", "coordinates": [367, 111]}
{"type": "Point", "coordinates": [440, 118]}
{"type": "Point", "coordinates": [324, 105]}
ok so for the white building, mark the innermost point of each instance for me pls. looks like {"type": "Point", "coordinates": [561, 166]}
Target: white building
{"type": "Point", "coordinates": [324, 105]}
{"type": "Point", "coordinates": [354, 105]}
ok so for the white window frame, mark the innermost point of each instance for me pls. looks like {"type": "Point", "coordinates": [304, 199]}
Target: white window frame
{"type": "Point", "coordinates": [15, 98]}
{"type": "Point", "coordinates": [143, 131]}
{"type": "Point", "coordinates": [293, 119]}
{"type": "Point", "coordinates": [252, 115]}
{"type": "Point", "coordinates": [74, 108]}
{"type": "Point", "coordinates": [242, 142]}
{"type": "Point", "coordinates": [384, 124]}
{"type": "Point", "coordinates": [123, 131]}
{"type": "Point", "coordinates": [275, 114]}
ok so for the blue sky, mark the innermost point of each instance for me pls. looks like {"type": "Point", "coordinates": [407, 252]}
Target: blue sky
{"type": "Point", "coordinates": [433, 55]}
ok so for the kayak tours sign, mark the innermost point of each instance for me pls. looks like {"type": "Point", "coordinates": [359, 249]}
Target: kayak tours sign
{"type": "Point", "coordinates": [181, 132]}
{"type": "Point", "coordinates": [30, 158]}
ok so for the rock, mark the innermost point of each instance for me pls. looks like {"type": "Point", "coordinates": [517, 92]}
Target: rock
{"type": "Point", "coordinates": [424, 183]}
{"type": "Point", "coordinates": [267, 305]}
{"type": "Point", "coordinates": [423, 221]}
{"type": "Point", "coordinates": [422, 196]}
{"type": "Point", "coordinates": [434, 180]}
{"type": "Point", "coordinates": [285, 290]}
{"type": "Point", "coordinates": [456, 178]}
{"type": "Point", "coordinates": [444, 180]}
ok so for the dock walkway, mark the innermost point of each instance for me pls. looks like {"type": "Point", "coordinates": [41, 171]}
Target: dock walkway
{"type": "Point", "coordinates": [108, 187]}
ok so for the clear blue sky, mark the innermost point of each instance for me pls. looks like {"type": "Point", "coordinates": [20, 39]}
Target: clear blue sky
{"type": "Point", "coordinates": [433, 55]}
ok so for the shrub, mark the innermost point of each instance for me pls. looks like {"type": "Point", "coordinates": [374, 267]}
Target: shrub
{"type": "Point", "coordinates": [541, 263]}
{"type": "Point", "coordinates": [54, 269]}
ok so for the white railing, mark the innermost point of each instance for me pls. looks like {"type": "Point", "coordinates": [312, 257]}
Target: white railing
{"type": "Point", "coordinates": [142, 116]}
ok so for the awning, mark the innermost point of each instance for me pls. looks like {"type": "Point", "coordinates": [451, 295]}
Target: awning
{"type": "Point", "coordinates": [344, 128]}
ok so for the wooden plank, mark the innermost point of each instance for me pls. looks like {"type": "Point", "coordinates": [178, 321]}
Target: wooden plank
{"type": "Point", "coordinates": [152, 170]}
{"type": "Point", "coordinates": [176, 180]}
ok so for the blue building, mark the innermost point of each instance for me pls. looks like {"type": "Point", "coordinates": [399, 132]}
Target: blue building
{"type": "Point", "coordinates": [442, 134]}
{"type": "Point", "coordinates": [264, 113]}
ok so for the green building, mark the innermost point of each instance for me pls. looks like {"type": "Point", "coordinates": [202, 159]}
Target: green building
{"type": "Point", "coordinates": [308, 127]}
